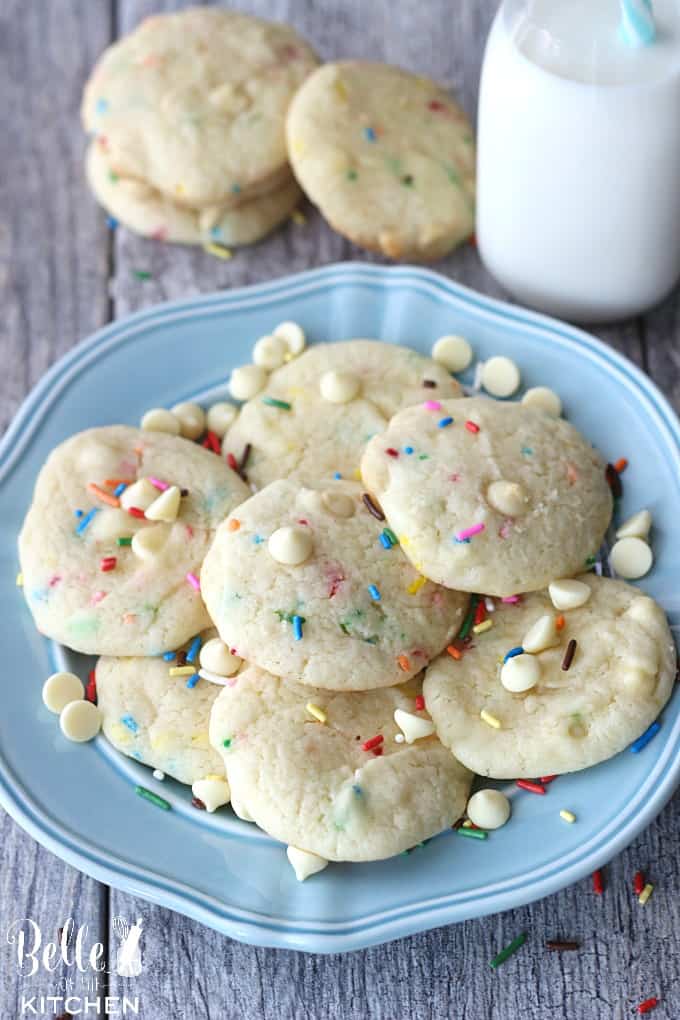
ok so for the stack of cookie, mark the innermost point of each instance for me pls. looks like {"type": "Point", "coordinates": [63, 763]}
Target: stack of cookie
{"type": "Point", "coordinates": [400, 597]}
{"type": "Point", "coordinates": [192, 126]}
{"type": "Point", "coordinates": [186, 117]}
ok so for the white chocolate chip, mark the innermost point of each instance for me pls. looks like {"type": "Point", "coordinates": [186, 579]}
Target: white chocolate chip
{"type": "Point", "coordinates": [140, 494]}
{"type": "Point", "coordinates": [543, 399]}
{"type": "Point", "coordinates": [293, 335]}
{"type": "Point", "coordinates": [543, 634]}
{"type": "Point", "coordinates": [500, 376]}
{"type": "Point", "coordinates": [60, 689]}
{"type": "Point", "coordinates": [158, 775]}
{"type": "Point", "coordinates": [216, 658]}
{"type": "Point", "coordinates": [111, 523]}
{"type": "Point", "coordinates": [520, 673]}
{"type": "Point", "coordinates": [160, 420]}
{"type": "Point", "coordinates": [488, 809]}
{"type": "Point", "coordinates": [453, 352]}
{"type": "Point", "coordinates": [270, 352]}
{"type": "Point", "coordinates": [631, 558]}
{"type": "Point", "coordinates": [637, 526]}
{"type": "Point", "coordinates": [213, 791]}
{"type": "Point", "coordinates": [220, 417]}
{"type": "Point", "coordinates": [568, 594]}
{"type": "Point", "coordinates": [339, 387]}
{"type": "Point", "coordinates": [509, 498]}
{"type": "Point", "coordinates": [646, 612]}
{"type": "Point", "coordinates": [80, 721]}
{"type": "Point", "coordinates": [304, 863]}
{"type": "Point", "coordinates": [246, 381]}
{"type": "Point", "coordinates": [148, 543]}
{"type": "Point", "coordinates": [165, 507]}
{"type": "Point", "coordinates": [191, 419]}
{"type": "Point", "coordinates": [338, 503]}
{"type": "Point", "coordinates": [241, 811]}
{"type": "Point", "coordinates": [414, 727]}
{"type": "Point", "coordinates": [290, 545]}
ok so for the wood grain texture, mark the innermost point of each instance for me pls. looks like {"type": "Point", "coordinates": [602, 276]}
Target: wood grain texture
{"type": "Point", "coordinates": [61, 275]}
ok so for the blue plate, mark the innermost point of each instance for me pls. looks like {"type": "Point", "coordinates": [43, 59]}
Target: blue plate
{"type": "Point", "coordinates": [79, 801]}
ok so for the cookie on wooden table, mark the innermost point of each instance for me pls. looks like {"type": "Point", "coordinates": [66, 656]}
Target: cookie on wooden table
{"type": "Point", "coordinates": [387, 156]}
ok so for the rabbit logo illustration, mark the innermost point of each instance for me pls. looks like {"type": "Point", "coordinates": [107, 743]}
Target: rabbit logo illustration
{"type": "Point", "coordinates": [129, 955]}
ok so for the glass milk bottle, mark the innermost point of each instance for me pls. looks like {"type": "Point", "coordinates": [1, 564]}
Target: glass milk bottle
{"type": "Point", "coordinates": [578, 170]}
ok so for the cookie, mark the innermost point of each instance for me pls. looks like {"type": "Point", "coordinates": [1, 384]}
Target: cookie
{"type": "Point", "coordinates": [342, 788]}
{"type": "Point", "coordinates": [307, 584]}
{"type": "Point", "coordinates": [156, 718]}
{"type": "Point", "coordinates": [146, 211]}
{"type": "Point", "coordinates": [388, 158]}
{"type": "Point", "coordinates": [110, 562]}
{"type": "Point", "coordinates": [587, 702]}
{"type": "Point", "coordinates": [337, 395]}
{"type": "Point", "coordinates": [193, 103]}
{"type": "Point", "coordinates": [493, 497]}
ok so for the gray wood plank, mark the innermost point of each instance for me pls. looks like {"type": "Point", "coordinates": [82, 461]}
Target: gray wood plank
{"type": "Point", "coordinates": [53, 291]}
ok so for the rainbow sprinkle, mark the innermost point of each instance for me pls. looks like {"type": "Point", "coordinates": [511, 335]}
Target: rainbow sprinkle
{"type": "Point", "coordinates": [194, 581]}
{"type": "Point", "coordinates": [85, 520]}
{"type": "Point", "coordinates": [474, 529]}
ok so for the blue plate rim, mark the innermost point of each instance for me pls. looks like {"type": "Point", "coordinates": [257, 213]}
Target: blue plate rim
{"type": "Point", "coordinates": [262, 930]}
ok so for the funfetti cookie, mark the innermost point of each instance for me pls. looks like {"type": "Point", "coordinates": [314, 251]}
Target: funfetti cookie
{"type": "Point", "coordinates": [547, 691]}
{"type": "Point", "coordinates": [388, 157]}
{"type": "Point", "coordinates": [487, 496]}
{"type": "Point", "coordinates": [148, 212]}
{"type": "Point", "coordinates": [193, 103]}
{"type": "Point", "coordinates": [157, 711]}
{"type": "Point", "coordinates": [310, 585]}
{"type": "Point", "coordinates": [319, 410]}
{"type": "Point", "coordinates": [325, 772]}
{"type": "Point", "coordinates": [112, 545]}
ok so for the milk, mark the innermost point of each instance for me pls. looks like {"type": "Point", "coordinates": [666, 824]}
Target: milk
{"type": "Point", "coordinates": [579, 158]}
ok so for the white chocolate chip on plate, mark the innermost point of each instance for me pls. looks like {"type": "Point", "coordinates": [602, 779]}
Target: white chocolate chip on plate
{"type": "Point", "coordinates": [216, 658]}
{"type": "Point", "coordinates": [543, 399]}
{"type": "Point", "coordinates": [191, 419]}
{"type": "Point", "coordinates": [339, 387]}
{"type": "Point", "coordinates": [305, 863]}
{"type": "Point", "coordinates": [568, 594]}
{"type": "Point", "coordinates": [246, 381]}
{"type": "Point", "coordinates": [631, 558]}
{"type": "Point", "coordinates": [637, 526]}
{"type": "Point", "coordinates": [160, 420]}
{"type": "Point", "coordinates": [500, 376]}
{"type": "Point", "coordinates": [269, 352]}
{"type": "Point", "coordinates": [293, 335]}
{"type": "Point", "coordinates": [290, 545]}
{"type": "Point", "coordinates": [220, 417]}
{"type": "Point", "coordinates": [488, 809]}
{"type": "Point", "coordinates": [213, 791]}
{"type": "Point", "coordinates": [541, 635]}
{"type": "Point", "coordinates": [60, 689]}
{"type": "Point", "coordinates": [80, 721]}
{"type": "Point", "coordinates": [414, 727]}
{"type": "Point", "coordinates": [453, 352]}
{"type": "Point", "coordinates": [520, 673]}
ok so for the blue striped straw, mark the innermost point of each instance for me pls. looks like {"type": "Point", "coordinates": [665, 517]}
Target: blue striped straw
{"type": "Point", "coordinates": [637, 22]}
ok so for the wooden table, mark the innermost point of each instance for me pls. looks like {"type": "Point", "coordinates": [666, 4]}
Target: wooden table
{"type": "Point", "coordinates": [63, 274]}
